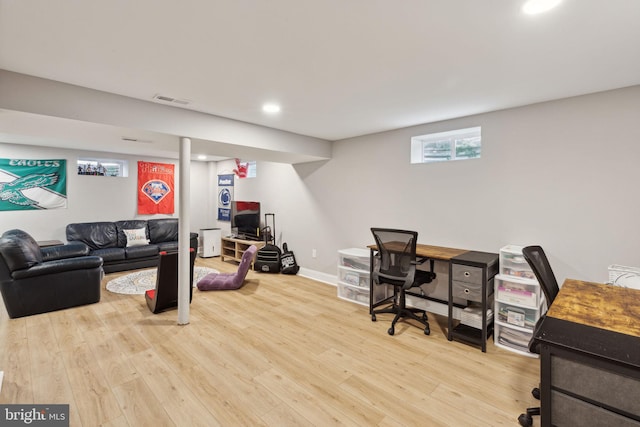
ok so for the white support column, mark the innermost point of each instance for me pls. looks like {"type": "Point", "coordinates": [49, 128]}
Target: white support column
{"type": "Point", "coordinates": [184, 232]}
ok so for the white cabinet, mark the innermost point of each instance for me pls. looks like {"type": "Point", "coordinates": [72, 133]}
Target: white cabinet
{"type": "Point", "coordinates": [518, 301]}
{"type": "Point", "coordinates": [353, 277]}
{"type": "Point", "coordinates": [209, 242]}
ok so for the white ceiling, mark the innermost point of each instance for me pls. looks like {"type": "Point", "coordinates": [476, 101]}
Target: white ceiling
{"type": "Point", "coordinates": [339, 68]}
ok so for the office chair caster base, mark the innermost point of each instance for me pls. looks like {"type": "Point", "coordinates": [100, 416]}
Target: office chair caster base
{"type": "Point", "coordinates": [373, 318]}
{"type": "Point", "coordinates": [536, 393]}
{"type": "Point", "coordinates": [525, 420]}
{"type": "Point", "coordinates": [391, 331]}
{"type": "Point", "coordinates": [427, 331]}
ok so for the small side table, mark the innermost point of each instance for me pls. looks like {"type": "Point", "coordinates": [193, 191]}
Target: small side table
{"type": "Point", "coordinates": [49, 243]}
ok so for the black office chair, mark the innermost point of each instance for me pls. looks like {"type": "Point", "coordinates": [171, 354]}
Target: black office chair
{"type": "Point", "coordinates": [535, 256]}
{"type": "Point", "coordinates": [395, 264]}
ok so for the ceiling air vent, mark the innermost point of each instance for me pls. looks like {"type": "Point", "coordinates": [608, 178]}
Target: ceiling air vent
{"type": "Point", "coordinates": [132, 139]}
{"type": "Point", "coordinates": [171, 100]}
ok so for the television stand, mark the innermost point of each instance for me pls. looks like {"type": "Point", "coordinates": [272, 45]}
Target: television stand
{"type": "Point", "coordinates": [249, 238]}
{"type": "Point", "coordinates": [232, 248]}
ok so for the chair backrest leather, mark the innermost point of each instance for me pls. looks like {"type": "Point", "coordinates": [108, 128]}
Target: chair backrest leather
{"type": "Point", "coordinates": [19, 250]}
{"type": "Point", "coordinates": [166, 291]}
{"type": "Point", "coordinates": [537, 260]}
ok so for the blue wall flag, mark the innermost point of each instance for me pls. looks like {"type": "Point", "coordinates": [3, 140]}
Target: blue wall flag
{"type": "Point", "coordinates": [225, 196]}
{"type": "Point", "coordinates": [30, 184]}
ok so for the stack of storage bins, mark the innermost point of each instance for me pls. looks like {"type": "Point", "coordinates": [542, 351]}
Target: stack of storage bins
{"type": "Point", "coordinates": [519, 302]}
{"type": "Point", "coordinates": [353, 276]}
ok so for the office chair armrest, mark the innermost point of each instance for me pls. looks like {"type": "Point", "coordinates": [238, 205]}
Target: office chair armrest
{"type": "Point", "coordinates": [421, 260]}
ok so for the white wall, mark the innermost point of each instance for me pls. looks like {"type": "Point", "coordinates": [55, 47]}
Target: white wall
{"type": "Point", "coordinates": [96, 198]}
{"type": "Point", "coordinates": [562, 174]}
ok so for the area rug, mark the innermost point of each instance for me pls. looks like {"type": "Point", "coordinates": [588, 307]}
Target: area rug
{"type": "Point", "coordinates": [138, 282]}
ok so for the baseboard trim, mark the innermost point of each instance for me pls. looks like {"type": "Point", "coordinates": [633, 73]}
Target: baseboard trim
{"type": "Point", "coordinates": [318, 276]}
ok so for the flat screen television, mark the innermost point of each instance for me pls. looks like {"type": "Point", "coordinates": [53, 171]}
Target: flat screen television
{"type": "Point", "coordinates": [245, 217]}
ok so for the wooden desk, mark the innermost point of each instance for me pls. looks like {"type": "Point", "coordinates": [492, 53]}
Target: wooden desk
{"type": "Point", "coordinates": [434, 252]}
{"type": "Point", "coordinates": [590, 356]}
{"type": "Point", "coordinates": [466, 269]}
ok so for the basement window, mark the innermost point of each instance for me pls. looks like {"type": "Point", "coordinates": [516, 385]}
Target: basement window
{"type": "Point", "coordinates": [103, 167]}
{"type": "Point", "coordinates": [461, 144]}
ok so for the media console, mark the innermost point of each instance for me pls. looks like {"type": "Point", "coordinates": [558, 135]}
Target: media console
{"type": "Point", "coordinates": [232, 248]}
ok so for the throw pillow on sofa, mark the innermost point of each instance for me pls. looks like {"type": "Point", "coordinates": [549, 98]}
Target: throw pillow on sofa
{"type": "Point", "coordinates": [136, 237]}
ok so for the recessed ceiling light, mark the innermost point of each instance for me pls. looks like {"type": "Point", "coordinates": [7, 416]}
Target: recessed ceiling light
{"type": "Point", "coordinates": [533, 7]}
{"type": "Point", "coordinates": [202, 157]}
{"type": "Point", "coordinates": [271, 108]}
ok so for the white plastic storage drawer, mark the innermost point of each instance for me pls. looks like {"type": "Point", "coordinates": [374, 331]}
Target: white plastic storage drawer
{"type": "Point", "coordinates": [512, 339]}
{"type": "Point", "coordinates": [512, 314]}
{"type": "Point", "coordinates": [356, 258]}
{"type": "Point", "coordinates": [517, 291]}
{"type": "Point", "coordinates": [512, 262]}
{"type": "Point", "coordinates": [353, 277]}
{"type": "Point", "coordinates": [360, 295]}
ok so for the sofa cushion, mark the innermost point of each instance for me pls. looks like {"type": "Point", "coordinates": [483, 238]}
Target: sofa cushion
{"type": "Point", "coordinates": [163, 230]}
{"type": "Point", "coordinates": [133, 224]}
{"type": "Point", "coordinates": [19, 250]}
{"type": "Point", "coordinates": [110, 254]}
{"type": "Point", "coordinates": [96, 235]}
{"type": "Point", "coordinates": [141, 251]}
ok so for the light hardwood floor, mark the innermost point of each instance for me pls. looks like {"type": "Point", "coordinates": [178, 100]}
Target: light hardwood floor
{"type": "Point", "coordinates": [281, 351]}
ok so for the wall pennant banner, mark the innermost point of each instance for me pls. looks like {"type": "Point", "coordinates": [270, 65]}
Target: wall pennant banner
{"type": "Point", "coordinates": [30, 184]}
{"type": "Point", "coordinates": [225, 196]}
{"type": "Point", "coordinates": [155, 188]}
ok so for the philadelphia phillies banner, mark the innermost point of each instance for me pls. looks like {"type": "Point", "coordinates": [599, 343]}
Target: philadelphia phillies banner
{"type": "Point", "coordinates": [155, 188]}
{"type": "Point", "coordinates": [28, 184]}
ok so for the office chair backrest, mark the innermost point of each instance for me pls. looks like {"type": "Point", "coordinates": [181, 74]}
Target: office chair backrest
{"type": "Point", "coordinates": [535, 256]}
{"type": "Point", "coordinates": [396, 256]}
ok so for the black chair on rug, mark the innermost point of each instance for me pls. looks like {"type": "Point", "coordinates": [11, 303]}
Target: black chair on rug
{"type": "Point", "coordinates": [395, 264]}
{"type": "Point", "coordinates": [165, 295]}
{"type": "Point", "coordinates": [537, 259]}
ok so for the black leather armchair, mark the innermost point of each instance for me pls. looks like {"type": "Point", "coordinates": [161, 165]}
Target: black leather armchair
{"type": "Point", "coordinates": [35, 280]}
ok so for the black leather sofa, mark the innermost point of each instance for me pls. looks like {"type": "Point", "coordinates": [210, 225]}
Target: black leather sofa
{"type": "Point", "coordinates": [113, 242]}
{"type": "Point", "coordinates": [37, 280]}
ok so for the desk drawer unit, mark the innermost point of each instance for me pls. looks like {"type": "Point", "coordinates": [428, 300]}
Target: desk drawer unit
{"type": "Point", "coordinates": [467, 283]}
{"type": "Point", "coordinates": [468, 291]}
{"type": "Point", "coordinates": [619, 392]}
{"type": "Point", "coordinates": [466, 274]}
{"type": "Point", "coordinates": [471, 279]}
